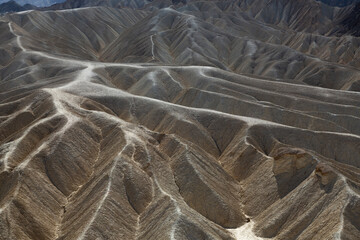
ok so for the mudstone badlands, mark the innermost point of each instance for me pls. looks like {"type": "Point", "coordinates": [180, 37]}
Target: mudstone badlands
{"type": "Point", "coordinates": [154, 120]}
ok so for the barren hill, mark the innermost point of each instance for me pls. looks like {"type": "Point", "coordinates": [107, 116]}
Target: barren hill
{"type": "Point", "coordinates": [180, 120]}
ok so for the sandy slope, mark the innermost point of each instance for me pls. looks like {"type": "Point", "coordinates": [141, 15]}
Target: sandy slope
{"type": "Point", "coordinates": [211, 120]}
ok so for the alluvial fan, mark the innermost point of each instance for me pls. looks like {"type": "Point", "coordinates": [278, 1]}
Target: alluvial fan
{"type": "Point", "coordinates": [150, 120]}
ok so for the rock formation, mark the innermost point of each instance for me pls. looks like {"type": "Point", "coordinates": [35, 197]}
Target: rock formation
{"type": "Point", "coordinates": [180, 120]}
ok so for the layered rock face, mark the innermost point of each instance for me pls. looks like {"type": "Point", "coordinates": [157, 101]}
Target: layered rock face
{"type": "Point", "coordinates": [199, 120]}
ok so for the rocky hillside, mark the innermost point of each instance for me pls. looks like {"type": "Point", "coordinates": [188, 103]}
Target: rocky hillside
{"type": "Point", "coordinates": [180, 120]}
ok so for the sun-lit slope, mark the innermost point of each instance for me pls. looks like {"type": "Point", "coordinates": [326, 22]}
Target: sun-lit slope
{"type": "Point", "coordinates": [78, 33]}
{"type": "Point", "coordinates": [172, 136]}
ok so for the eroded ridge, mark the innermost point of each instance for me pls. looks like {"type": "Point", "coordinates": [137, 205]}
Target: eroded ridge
{"type": "Point", "coordinates": [204, 120]}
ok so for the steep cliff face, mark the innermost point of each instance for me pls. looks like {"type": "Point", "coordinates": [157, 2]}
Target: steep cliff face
{"type": "Point", "coordinates": [180, 120]}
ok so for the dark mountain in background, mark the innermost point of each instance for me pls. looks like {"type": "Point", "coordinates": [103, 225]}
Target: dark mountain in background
{"type": "Point", "coordinates": [37, 3]}
{"type": "Point", "coordinates": [13, 6]}
{"type": "Point", "coordinates": [23, 5]}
